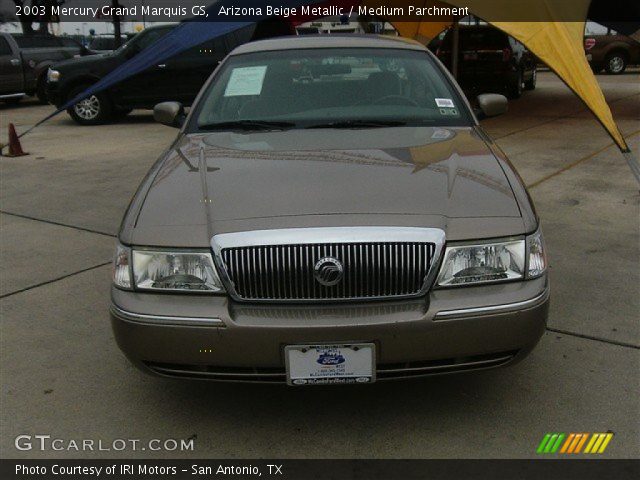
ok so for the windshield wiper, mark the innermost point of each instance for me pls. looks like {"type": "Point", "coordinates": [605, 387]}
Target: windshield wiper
{"type": "Point", "coordinates": [360, 124]}
{"type": "Point", "coordinates": [248, 125]}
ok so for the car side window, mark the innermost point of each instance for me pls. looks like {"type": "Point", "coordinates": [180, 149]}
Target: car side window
{"type": "Point", "coordinates": [5, 49]}
{"type": "Point", "coordinates": [37, 41]}
{"type": "Point", "coordinates": [52, 42]}
{"type": "Point", "coordinates": [46, 42]}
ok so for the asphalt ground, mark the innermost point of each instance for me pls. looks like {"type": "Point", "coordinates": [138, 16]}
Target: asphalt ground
{"type": "Point", "coordinates": [62, 374]}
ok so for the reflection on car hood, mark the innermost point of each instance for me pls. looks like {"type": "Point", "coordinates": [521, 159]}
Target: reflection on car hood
{"type": "Point", "coordinates": [226, 181]}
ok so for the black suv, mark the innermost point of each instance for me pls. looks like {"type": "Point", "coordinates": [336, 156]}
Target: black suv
{"type": "Point", "coordinates": [25, 59]}
{"type": "Point", "coordinates": [489, 61]}
{"type": "Point", "coordinates": [176, 79]}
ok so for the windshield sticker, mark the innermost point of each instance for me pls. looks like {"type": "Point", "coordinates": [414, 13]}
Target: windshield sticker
{"type": "Point", "coordinates": [445, 102]}
{"type": "Point", "coordinates": [245, 81]}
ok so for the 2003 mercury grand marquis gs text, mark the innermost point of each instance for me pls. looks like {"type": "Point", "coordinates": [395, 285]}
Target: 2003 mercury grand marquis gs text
{"type": "Point", "coordinates": [330, 212]}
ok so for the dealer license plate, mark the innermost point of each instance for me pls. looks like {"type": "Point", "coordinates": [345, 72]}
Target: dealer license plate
{"type": "Point", "coordinates": [330, 364]}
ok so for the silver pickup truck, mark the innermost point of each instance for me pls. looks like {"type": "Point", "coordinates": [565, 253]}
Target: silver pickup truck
{"type": "Point", "coordinates": [25, 59]}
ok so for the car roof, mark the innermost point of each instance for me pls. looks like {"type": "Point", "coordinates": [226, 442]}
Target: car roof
{"type": "Point", "coordinates": [328, 41]}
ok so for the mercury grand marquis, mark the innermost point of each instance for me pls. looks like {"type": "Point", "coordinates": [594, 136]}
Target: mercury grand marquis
{"type": "Point", "coordinates": [330, 212]}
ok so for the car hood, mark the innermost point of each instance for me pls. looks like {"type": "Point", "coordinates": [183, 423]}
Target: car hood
{"type": "Point", "coordinates": [406, 176]}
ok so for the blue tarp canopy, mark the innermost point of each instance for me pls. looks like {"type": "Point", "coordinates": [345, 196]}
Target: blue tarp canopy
{"type": "Point", "coordinates": [192, 33]}
{"type": "Point", "coordinates": [187, 35]}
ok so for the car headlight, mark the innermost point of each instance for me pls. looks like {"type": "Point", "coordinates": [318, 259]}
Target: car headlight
{"type": "Point", "coordinates": [493, 262]}
{"type": "Point", "coordinates": [53, 75]}
{"type": "Point", "coordinates": [171, 271]}
{"type": "Point", "coordinates": [122, 267]}
{"type": "Point", "coordinates": [175, 271]}
{"type": "Point", "coordinates": [537, 261]}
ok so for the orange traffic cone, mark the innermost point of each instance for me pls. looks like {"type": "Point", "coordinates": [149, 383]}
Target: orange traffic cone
{"type": "Point", "coordinates": [15, 149]}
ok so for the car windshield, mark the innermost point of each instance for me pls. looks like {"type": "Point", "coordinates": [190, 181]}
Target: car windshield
{"type": "Point", "coordinates": [329, 88]}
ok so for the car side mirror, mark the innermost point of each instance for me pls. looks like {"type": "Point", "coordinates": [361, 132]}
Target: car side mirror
{"type": "Point", "coordinates": [169, 113]}
{"type": "Point", "coordinates": [492, 104]}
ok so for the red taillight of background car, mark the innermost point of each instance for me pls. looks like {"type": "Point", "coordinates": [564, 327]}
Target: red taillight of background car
{"type": "Point", "coordinates": [589, 43]}
{"type": "Point", "coordinates": [506, 54]}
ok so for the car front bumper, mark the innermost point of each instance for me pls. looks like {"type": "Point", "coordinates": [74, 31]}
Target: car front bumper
{"type": "Point", "coordinates": [213, 337]}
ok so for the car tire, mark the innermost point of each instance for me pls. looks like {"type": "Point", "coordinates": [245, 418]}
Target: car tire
{"type": "Point", "coordinates": [41, 90]}
{"type": "Point", "coordinates": [531, 83]}
{"type": "Point", "coordinates": [515, 87]}
{"type": "Point", "coordinates": [616, 63]}
{"type": "Point", "coordinates": [95, 110]}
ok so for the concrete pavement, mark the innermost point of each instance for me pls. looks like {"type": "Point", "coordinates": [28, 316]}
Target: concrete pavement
{"type": "Point", "coordinates": [62, 374]}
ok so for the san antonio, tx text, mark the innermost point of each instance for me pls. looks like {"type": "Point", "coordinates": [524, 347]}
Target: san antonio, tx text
{"type": "Point", "coordinates": [148, 469]}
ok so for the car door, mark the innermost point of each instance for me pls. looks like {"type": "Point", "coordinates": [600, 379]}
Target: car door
{"type": "Point", "coordinates": [154, 85]}
{"type": "Point", "coordinates": [11, 79]}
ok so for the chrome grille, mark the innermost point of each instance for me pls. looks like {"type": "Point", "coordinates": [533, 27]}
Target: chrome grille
{"type": "Point", "coordinates": [370, 270]}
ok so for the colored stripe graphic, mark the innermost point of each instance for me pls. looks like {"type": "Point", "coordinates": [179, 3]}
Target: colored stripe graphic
{"type": "Point", "coordinates": [598, 442]}
{"type": "Point", "coordinates": [556, 445]}
{"type": "Point", "coordinates": [604, 445]}
{"type": "Point", "coordinates": [568, 442]}
{"type": "Point", "coordinates": [581, 442]}
{"type": "Point", "coordinates": [543, 443]}
{"type": "Point", "coordinates": [573, 443]}
{"type": "Point", "coordinates": [550, 443]}
{"type": "Point", "coordinates": [594, 437]}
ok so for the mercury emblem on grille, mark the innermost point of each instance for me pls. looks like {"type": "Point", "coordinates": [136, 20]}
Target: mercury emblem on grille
{"type": "Point", "coordinates": [328, 271]}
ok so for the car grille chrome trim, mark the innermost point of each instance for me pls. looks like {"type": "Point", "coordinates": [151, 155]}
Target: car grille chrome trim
{"type": "Point", "coordinates": [165, 319]}
{"type": "Point", "coordinates": [383, 371]}
{"type": "Point", "coordinates": [382, 311]}
{"type": "Point", "coordinates": [378, 263]}
{"type": "Point", "coordinates": [493, 309]}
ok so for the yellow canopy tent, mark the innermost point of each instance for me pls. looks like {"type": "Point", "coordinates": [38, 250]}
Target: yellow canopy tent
{"type": "Point", "coordinates": [547, 33]}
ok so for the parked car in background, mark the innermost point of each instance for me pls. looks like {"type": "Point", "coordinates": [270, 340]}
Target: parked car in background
{"type": "Point", "coordinates": [179, 78]}
{"type": "Point", "coordinates": [106, 43]}
{"type": "Point", "coordinates": [25, 59]}
{"type": "Point", "coordinates": [348, 227]}
{"type": "Point", "coordinates": [489, 61]}
{"type": "Point", "coordinates": [611, 52]}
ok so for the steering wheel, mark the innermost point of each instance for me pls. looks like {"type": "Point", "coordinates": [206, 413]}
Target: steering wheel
{"type": "Point", "coordinates": [391, 100]}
